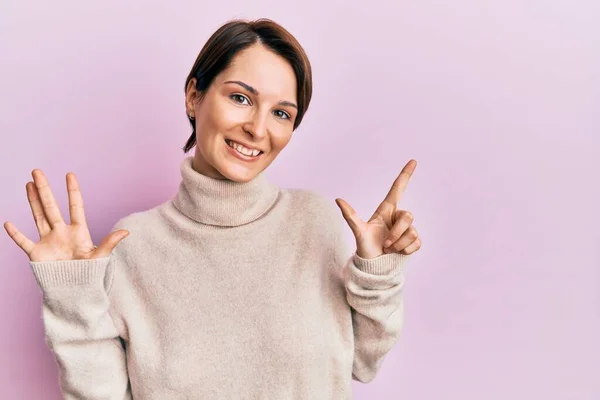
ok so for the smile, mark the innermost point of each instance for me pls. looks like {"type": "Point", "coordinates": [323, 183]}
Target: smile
{"type": "Point", "coordinates": [243, 152]}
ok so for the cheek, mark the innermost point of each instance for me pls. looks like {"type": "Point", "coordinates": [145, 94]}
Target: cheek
{"type": "Point", "coordinates": [218, 117]}
{"type": "Point", "coordinates": [280, 137]}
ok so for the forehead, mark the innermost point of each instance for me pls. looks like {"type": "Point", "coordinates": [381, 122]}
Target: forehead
{"type": "Point", "coordinates": [269, 73]}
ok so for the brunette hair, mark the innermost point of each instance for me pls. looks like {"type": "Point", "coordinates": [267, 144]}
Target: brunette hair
{"type": "Point", "coordinates": [236, 35]}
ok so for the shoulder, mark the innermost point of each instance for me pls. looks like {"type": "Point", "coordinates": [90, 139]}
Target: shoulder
{"type": "Point", "coordinates": [324, 218]}
{"type": "Point", "coordinates": [140, 221]}
{"type": "Point", "coordinates": [315, 208]}
{"type": "Point", "coordinates": [143, 226]}
{"type": "Point", "coordinates": [313, 204]}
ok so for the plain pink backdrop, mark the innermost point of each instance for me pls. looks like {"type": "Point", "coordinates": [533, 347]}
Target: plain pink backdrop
{"type": "Point", "coordinates": [498, 102]}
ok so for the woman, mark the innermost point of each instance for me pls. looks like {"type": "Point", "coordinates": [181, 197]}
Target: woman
{"type": "Point", "coordinates": [235, 288]}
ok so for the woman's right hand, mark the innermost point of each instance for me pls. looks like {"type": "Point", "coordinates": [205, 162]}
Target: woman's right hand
{"type": "Point", "coordinates": [59, 241]}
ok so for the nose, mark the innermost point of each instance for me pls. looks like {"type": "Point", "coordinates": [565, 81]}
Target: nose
{"type": "Point", "coordinates": [257, 125]}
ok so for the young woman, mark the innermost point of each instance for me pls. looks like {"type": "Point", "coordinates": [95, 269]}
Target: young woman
{"type": "Point", "coordinates": [235, 288]}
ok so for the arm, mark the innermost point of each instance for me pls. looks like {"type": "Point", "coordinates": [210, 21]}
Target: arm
{"type": "Point", "coordinates": [374, 280]}
{"type": "Point", "coordinates": [79, 328]}
{"type": "Point", "coordinates": [75, 277]}
{"type": "Point", "coordinates": [374, 293]}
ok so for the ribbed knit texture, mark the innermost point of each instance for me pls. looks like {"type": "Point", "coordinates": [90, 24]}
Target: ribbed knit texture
{"type": "Point", "coordinates": [227, 291]}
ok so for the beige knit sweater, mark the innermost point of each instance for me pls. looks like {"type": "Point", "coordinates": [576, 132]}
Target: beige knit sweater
{"type": "Point", "coordinates": [227, 291]}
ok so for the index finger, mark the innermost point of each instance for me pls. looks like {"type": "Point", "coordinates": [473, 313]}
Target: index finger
{"type": "Point", "coordinates": [399, 185]}
{"type": "Point", "coordinates": [49, 204]}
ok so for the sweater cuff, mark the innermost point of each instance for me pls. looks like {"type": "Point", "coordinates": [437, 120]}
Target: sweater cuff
{"type": "Point", "coordinates": [385, 264]}
{"type": "Point", "coordinates": [70, 272]}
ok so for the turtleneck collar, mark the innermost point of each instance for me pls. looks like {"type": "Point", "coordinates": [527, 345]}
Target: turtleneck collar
{"type": "Point", "coordinates": [222, 202]}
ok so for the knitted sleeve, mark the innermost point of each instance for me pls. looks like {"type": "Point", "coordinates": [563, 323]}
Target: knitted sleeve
{"type": "Point", "coordinates": [79, 328]}
{"type": "Point", "coordinates": [374, 293]}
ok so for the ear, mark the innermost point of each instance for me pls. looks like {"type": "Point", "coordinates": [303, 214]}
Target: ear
{"type": "Point", "coordinates": [192, 96]}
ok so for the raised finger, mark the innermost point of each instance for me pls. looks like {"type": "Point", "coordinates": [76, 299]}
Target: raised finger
{"type": "Point", "coordinates": [21, 240]}
{"type": "Point", "coordinates": [53, 214]}
{"type": "Point", "coordinates": [76, 210]}
{"type": "Point", "coordinates": [400, 183]}
{"type": "Point", "coordinates": [37, 210]}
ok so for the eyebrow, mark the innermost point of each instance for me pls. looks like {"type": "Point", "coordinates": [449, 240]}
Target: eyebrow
{"type": "Point", "coordinates": [255, 92]}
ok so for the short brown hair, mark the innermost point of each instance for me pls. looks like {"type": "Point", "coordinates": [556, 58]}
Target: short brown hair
{"type": "Point", "coordinates": [236, 35]}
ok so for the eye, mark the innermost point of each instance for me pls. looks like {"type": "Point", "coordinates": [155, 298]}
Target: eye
{"type": "Point", "coordinates": [282, 114]}
{"type": "Point", "coordinates": [240, 99]}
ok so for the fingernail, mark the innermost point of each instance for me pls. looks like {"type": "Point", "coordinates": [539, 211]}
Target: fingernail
{"type": "Point", "coordinates": [387, 243]}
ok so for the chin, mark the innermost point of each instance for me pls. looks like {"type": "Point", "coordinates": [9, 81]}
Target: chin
{"type": "Point", "coordinates": [239, 174]}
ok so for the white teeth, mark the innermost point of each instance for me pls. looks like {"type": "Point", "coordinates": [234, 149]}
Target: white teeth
{"type": "Point", "coordinates": [241, 149]}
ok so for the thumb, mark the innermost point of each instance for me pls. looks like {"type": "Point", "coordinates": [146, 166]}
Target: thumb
{"type": "Point", "coordinates": [110, 242]}
{"type": "Point", "coordinates": [350, 216]}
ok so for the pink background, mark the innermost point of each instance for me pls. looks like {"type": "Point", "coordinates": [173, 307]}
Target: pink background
{"type": "Point", "coordinates": [497, 101]}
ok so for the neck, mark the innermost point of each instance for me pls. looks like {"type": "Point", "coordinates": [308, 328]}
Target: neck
{"type": "Point", "coordinates": [222, 202]}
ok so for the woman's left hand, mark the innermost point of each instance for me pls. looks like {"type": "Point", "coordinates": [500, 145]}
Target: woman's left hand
{"type": "Point", "coordinates": [387, 225]}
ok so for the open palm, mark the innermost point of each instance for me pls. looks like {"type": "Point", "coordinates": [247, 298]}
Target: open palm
{"type": "Point", "coordinates": [59, 240]}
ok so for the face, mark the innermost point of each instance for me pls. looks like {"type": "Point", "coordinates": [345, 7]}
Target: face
{"type": "Point", "coordinates": [251, 103]}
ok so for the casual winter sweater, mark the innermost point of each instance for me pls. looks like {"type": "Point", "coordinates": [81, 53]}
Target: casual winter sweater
{"type": "Point", "coordinates": [227, 291]}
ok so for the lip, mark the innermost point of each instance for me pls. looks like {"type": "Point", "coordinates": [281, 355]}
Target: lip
{"type": "Point", "coordinates": [240, 156]}
{"type": "Point", "coordinates": [243, 144]}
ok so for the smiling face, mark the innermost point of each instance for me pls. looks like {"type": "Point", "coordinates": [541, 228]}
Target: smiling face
{"type": "Point", "coordinates": [252, 103]}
